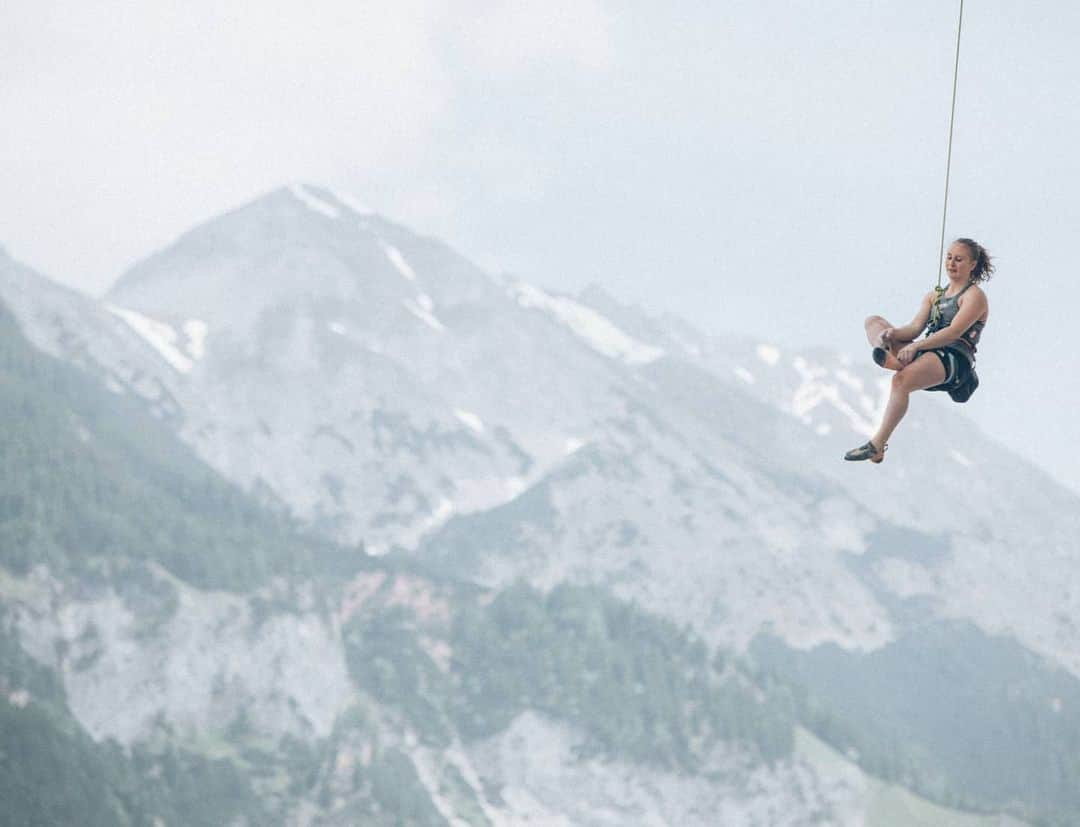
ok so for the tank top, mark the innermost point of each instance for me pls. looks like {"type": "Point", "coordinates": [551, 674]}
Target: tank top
{"type": "Point", "coordinates": [969, 339]}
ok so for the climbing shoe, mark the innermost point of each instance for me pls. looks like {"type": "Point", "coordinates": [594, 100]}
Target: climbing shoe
{"type": "Point", "coordinates": [867, 451]}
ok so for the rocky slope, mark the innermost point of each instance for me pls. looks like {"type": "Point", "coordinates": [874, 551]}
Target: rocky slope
{"type": "Point", "coordinates": [387, 392]}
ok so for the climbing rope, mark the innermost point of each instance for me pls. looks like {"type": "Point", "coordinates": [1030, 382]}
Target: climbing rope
{"type": "Point", "coordinates": [939, 290]}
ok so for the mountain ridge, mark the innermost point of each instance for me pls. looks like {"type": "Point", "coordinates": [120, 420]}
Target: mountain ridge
{"type": "Point", "coordinates": [371, 422]}
{"type": "Point", "coordinates": [504, 432]}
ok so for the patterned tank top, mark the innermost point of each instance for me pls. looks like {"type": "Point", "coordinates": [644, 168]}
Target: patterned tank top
{"type": "Point", "coordinates": [969, 339]}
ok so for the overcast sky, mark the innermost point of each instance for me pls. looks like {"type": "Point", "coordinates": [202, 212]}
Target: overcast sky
{"type": "Point", "coordinates": [761, 166]}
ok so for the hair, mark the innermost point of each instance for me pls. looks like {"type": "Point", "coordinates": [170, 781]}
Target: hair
{"type": "Point", "coordinates": [984, 265]}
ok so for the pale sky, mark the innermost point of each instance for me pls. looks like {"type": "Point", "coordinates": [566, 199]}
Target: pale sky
{"type": "Point", "coordinates": [768, 167]}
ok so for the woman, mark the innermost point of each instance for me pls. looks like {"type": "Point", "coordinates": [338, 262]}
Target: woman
{"type": "Point", "coordinates": [945, 359]}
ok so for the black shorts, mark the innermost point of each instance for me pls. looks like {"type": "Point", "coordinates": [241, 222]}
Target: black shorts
{"type": "Point", "coordinates": [958, 373]}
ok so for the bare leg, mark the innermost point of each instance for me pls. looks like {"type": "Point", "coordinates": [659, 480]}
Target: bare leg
{"type": "Point", "coordinates": [875, 326]}
{"type": "Point", "coordinates": [924, 372]}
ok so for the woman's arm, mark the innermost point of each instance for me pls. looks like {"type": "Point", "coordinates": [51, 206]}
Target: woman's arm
{"type": "Point", "coordinates": [972, 308]}
{"type": "Point", "coordinates": [915, 327]}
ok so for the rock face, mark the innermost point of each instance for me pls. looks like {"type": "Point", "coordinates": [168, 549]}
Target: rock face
{"type": "Point", "coordinates": [534, 764]}
{"type": "Point", "coordinates": [207, 663]}
{"type": "Point", "coordinates": [374, 380]}
{"type": "Point", "coordinates": [213, 674]}
{"type": "Point", "coordinates": [388, 392]}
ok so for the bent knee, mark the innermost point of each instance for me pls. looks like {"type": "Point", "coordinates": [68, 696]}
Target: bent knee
{"type": "Point", "coordinates": [875, 320]}
{"type": "Point", "coordinates": [902, 382]}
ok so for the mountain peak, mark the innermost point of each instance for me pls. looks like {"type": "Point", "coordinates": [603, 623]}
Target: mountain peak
{"type": "Point", "coordinates": [299, 210]}
{"type": "Point", "coordinates": [300, 251]}
{"type": "Point", "coordinates": [325, 201]}
{"type": "Point", "coordinates": [294, 220]}
{"type": "Point", "coordinates": [321, 201]}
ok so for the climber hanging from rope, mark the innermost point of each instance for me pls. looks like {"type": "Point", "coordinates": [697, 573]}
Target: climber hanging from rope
{"type": "Point", "coordinates": [953, 319]}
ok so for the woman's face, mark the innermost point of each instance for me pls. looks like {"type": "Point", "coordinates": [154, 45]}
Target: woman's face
{"type": "Point", "coordinates": [959, 262]}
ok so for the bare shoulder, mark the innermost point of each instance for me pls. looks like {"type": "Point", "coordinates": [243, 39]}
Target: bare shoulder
{"type": "Point", "coordinates": [977, 294]}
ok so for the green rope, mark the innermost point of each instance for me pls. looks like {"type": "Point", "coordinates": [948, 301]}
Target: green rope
{"type": "Point", "coordinates": [939, 291]}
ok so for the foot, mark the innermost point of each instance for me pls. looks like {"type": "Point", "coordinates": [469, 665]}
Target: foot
{"type": "Point", "coordinates": [885, 359]}
{"type": "Point", "coordinates": [868, 451]}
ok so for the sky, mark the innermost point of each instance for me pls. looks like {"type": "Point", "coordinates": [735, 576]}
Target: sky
{"type": "Point", "coordinates": [771, 168]}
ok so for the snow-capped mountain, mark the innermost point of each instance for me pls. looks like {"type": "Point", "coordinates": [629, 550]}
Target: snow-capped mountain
{"type": "Point", "coordinates": [390, 392]}
{"type": "Point", "coordinates": [1004, 530]}
{"type": "Point", "coordinates": [375, 380]}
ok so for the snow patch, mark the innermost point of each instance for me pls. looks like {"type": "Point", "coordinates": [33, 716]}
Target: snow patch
{"type": "Point", "coordinates": [352, 202]}
{"type": "Point", "coordinates": [596, 330]}
{"type": "Point", "coordinates": [195, 330]}
{"type": "Point", "coordinates": [440, 515]}
{"type": "Point", "coordinates": [455, 757]}
{"type": "Point", "coordinates": [313, 202]}
{"type": "Point", "coordinates": [808, 370]}
{"type": "Point", "coordinates": [424, 315]}
{"type": "Point", "coordinates": [159, 335]}
{"type": "Point", "coordinates": [744, 374]}
{"type": "Point", "coordinates": [849, 379]}
{"type": "Point", "coordinates": [769, 354]}
{"type": "Point", "coordinates": [470, 419]}
{"type": "Point", "coordinates": [960, 458]}
{"type": "Point", "coordinates": [428, 769]}
{"type": "Point", "coordinates": [813, 391]}
{"type": "Point", "coordinates": [573, 445]}
{"type": "Point", "coordinates": [398, 260]}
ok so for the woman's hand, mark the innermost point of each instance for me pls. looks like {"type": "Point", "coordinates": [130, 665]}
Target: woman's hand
{"type": "Point", "coordinates": [887, 336]}
{"type": "Point", "coordinates": [907, 354]}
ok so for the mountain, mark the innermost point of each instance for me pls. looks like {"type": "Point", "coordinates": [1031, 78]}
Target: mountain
{"type": "Point", "coordinates": [92, 474]}
{"type": "Point", "coordinates": [358, 371]}
{"type": "Point", "coordinates": [166, 661]}
{"type": "Point", "coordinates": [383, 390]}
